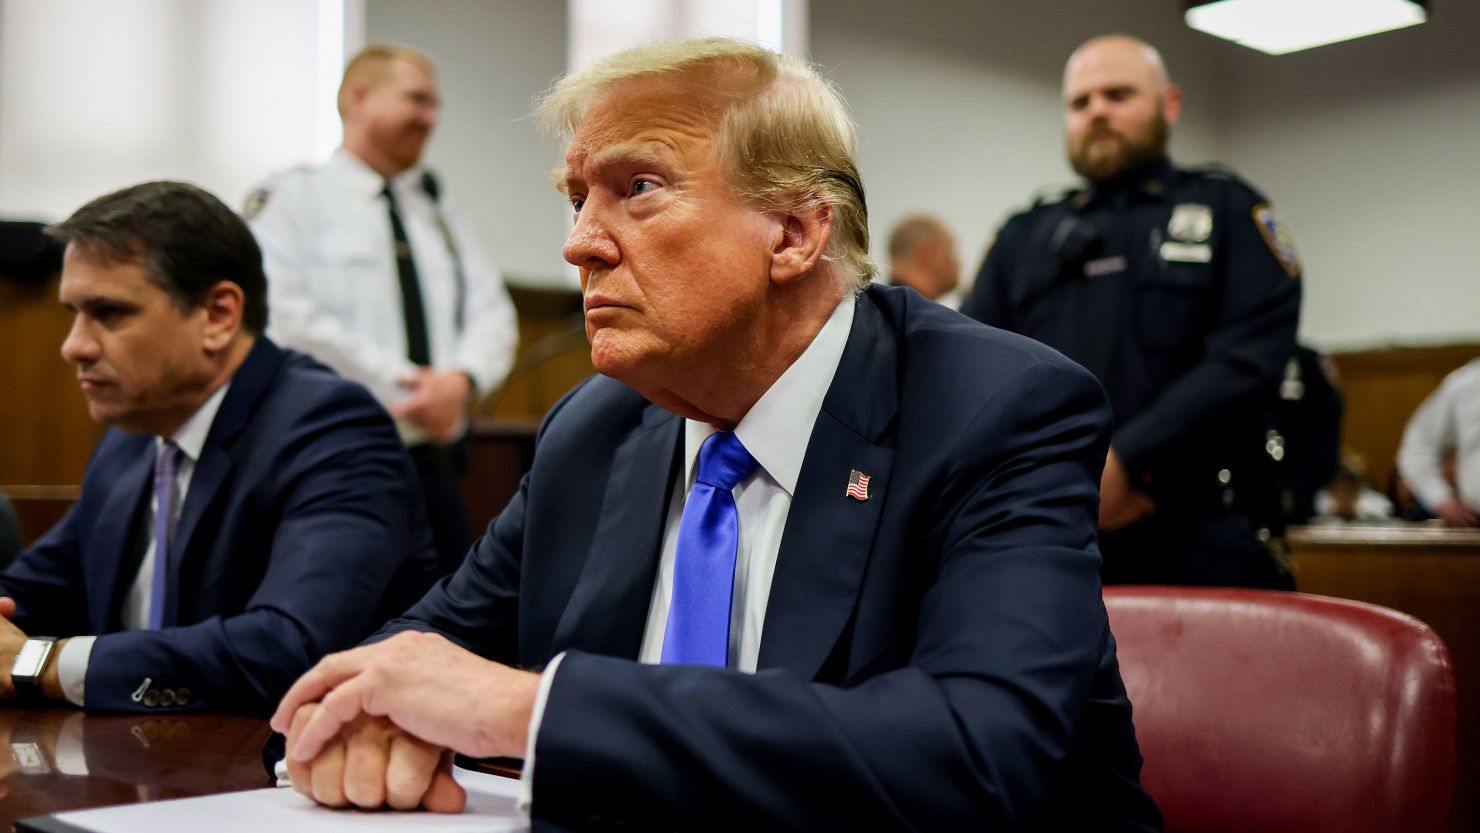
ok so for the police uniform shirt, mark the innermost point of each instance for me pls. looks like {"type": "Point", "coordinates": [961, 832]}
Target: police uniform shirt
{"type": "Point", "coordinates": [333, 285]}
{"type": "Point", "coordinates": [1177, 288]}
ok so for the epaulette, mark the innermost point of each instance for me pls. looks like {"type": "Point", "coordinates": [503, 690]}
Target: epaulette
{"type": "Point", "coordinates": [1214, 170]}
{"type": "Point", "coordinates": [1054, 194]}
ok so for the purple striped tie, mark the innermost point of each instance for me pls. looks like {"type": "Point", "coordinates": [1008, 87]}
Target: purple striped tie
{"type": "Point", "coordinates": [165, 465]}
{"type": "Point", "coordinates": [698, 628]}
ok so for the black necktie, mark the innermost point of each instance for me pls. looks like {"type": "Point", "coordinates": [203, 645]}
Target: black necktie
{"type": "Point", "coordinates": [417, 348]}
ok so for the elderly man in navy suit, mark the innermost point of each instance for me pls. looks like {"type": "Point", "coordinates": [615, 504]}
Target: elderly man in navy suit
{"type": "Point", "coordinates": [808, 555]}
{"type": "Point", "coordinates": [248, 511]}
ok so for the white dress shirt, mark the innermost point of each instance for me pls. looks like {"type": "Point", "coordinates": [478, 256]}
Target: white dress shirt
{"type": "Point", "coordinates": [776, 432]}
{"type": "Point", "coordinates": [1447, 422]}
{"type": "Point", "coordinates": [334, 289]}
{"type": "Point", "coordinates": [191, 439]}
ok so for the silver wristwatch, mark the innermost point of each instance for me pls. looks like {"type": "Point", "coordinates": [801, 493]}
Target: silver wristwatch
{"type": "Point", "coordinates": [30, 664]}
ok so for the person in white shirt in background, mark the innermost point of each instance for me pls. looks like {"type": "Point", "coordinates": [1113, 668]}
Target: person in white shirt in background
{"type": "Point", "coordinates": [1447, 423]}
{"type": "Point", "coordinates": [372, 272]}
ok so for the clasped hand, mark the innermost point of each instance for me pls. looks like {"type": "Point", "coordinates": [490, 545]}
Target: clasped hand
{"type": "Point", "coordinates": [376, 726]}
{"type": "Point", "coordinates": [438, 402]}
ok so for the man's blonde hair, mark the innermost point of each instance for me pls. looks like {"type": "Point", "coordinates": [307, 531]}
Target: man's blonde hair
{"type": "Point", "coordinates": [372, 67]}
{"type": "Point", "coordinates": [784, 133]}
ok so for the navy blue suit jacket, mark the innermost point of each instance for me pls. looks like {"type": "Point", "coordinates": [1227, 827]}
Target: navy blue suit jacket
{"type": "Point", "coordinates": [301, 531]}
{"type": "Point", "coordinates": [936, 657]}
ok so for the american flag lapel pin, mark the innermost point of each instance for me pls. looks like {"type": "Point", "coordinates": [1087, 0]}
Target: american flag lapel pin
{"type": "Point", "coordinates": [857, 485]}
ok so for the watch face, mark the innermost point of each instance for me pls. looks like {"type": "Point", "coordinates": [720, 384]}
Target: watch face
{"type": "Point", "coordinates": [29, 658]}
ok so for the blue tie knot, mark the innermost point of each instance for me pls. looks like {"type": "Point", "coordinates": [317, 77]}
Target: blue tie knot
{"type": "Point", "coordinates": [723, 461]}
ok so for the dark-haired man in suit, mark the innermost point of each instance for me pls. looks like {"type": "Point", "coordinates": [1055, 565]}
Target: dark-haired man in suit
{"type": "Point", "coordinates": [248, 511]}
{"type": "Point", "coordinates": [807, 556]}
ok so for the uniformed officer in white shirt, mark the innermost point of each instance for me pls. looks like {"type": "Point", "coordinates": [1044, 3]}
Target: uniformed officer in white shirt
{"type": "Point", "coordinates": [371, 272]}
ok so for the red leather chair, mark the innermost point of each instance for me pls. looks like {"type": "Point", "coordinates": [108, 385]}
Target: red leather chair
{"type": "Point", "coordinates": [1267, 712]}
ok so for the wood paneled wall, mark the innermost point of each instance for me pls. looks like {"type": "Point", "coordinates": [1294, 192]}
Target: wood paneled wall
{"type": "Point", "coordinates": [46, 435]}
{"type": "Point", "coordinates": [553, 355]}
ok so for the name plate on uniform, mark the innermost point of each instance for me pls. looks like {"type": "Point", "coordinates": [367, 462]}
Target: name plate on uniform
{"type": "Point", "coordinates": [1177, 252]}
{"type": "Point", "coordinates": [1104, 266]}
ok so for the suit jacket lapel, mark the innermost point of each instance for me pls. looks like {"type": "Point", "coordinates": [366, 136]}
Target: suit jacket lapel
{"type": "Point", "coordinates": [608, 608]}
{"type": "Point", "coordinates": [828, 537]}
{"type": "Point", "coordinates": [116, 530]}
{"type": "Point", "coordinates": [251, 381]}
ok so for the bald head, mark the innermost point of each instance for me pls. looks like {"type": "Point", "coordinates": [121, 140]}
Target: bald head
{"type": "Point", "coordinates": [922, 256]}
{"type": "Point", "coordinates": [1132, 54]}
{"type": "Point", "coordinates": [1119, 105]}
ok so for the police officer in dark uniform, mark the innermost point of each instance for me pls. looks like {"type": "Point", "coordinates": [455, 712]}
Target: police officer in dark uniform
{"type": "Point", "coordinates": [1180, 291]}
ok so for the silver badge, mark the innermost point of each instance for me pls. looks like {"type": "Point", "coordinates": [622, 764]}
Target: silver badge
{"type": "Point", "coordinates": [1191, 221]}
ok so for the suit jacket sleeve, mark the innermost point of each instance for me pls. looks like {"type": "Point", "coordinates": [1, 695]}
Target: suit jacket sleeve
{"type": "Point", "coordinates": [44, 579]}
{"type": "Point", "coordinates": [1251, 338]}
{"type": "Point", "coordinates": [343, 536]}
{"type": "Point", "coordinates": [972, 733]}
{"type": "Point", "coordinates": [477, 606]}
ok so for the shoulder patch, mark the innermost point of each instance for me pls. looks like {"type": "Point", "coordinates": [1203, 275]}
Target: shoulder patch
{"type": "Point", "coordinates": [256, 201]}
{"type": "Point", "coordinates": [1278, 237]}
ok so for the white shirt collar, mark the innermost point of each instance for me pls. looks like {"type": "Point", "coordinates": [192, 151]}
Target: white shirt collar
{"type": "Point", "coordinates": [779, 426]}
{"type": "Point", "coordinates": [365, 179]}
{"type": "Point", "coordinates": [191, 435]}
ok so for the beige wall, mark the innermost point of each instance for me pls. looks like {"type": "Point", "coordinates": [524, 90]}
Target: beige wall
{"type": "Point", "coordinates": [1370, 149]}
{"type": "Point", "coordinates": [493, 57]}
{"type": "Point", "coordinates": [958, 100]}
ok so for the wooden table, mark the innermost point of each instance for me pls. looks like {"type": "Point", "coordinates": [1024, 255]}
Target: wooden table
{"type": "Point", "coordinates": [1428, 571]}
{"type": "Point", "coordinates": [53, 760]}
{"type": "Point", "coordinates": [61, 759]}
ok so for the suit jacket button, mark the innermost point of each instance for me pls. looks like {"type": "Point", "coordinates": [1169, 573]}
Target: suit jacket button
{"type": "Point", "coordinates": [151, 698]}
{"type": "Point", "coordinates": [182, 696]}
{"type": "Point", "coordinates": [167, 697]}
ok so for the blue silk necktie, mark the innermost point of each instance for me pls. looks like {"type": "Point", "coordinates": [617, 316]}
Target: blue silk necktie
{"type": "Point", "coordinates": [165, 465]}
{"type": "Point", "coordinates": [698, 629]}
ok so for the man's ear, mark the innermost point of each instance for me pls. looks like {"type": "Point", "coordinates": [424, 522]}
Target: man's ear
{"type": "Point", "coordinates": [223, 305]}
{"type": "Point", "coordinates": [354, 96]}
{"type": "Point", "coordinates": [803, 238]}
{"type": "Point", "coordinates": [1171, 103]}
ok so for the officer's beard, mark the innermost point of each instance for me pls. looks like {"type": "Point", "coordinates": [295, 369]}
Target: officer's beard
{"type": "Point", "coordinates": [1102, 161]}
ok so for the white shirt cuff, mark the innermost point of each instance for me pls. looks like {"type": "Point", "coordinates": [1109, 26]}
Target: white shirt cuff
{"type": "Point", "coordinates": [536, 716]}
{"type": "Point", "coordinates": [72, 667]}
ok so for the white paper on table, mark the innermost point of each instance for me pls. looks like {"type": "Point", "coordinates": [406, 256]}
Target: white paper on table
{"type": "Point", "coordinates": [492, 808]}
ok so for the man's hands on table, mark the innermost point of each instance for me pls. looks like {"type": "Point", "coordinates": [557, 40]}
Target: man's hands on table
{"type": "Point", "coordinates": [376, 725]}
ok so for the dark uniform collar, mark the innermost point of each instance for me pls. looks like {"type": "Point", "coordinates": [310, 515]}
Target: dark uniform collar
{"type": "Point", "coordinates": [1150, 182]}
